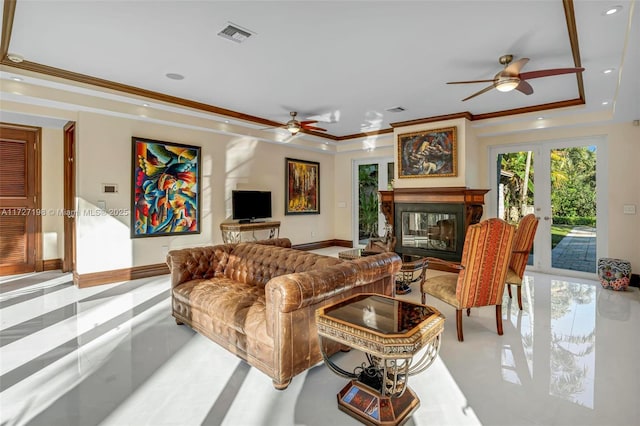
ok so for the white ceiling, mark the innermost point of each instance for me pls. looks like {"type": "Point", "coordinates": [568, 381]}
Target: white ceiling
{"type": "Point", "coordinates": [344, 63]}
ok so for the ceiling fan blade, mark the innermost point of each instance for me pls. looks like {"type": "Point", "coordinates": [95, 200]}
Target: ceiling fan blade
{"type": "Point", "coordinates": [515, 67]}
{"type": "Point", "coordinates": [550, 72]}
{"type": "Point", "coordinates": [470, 81]}
{"type": "Point", "coordinates": [486, 89]}
{"type": "Point", "coordinates": [308, 122]}
{"type": "Point", "coordinates": [524, 87]}
{"type": "Point", "coordinates": [314, 128]}
{"type": "Point", "coordinates": [273, 127]}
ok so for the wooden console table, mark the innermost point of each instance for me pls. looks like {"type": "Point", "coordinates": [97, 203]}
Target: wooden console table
{"type": "Point", "coordinates": [232, 231]}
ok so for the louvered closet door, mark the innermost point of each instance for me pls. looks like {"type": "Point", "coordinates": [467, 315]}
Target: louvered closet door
{"type": "Point", "coordinates": [17, 201]}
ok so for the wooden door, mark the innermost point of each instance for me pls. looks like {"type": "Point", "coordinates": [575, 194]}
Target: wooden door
{"type": "Point", "coordinates": [20, 210]}
{"type": "Point", "coordinates": [69, 261]}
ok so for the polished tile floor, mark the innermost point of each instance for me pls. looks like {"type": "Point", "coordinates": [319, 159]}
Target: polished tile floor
{"type": "Point", "coordinates": [112, 355]}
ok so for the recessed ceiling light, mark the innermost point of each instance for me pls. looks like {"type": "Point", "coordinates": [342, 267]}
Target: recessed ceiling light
{"type": "Point", "coordinates": [145, 105]}
{"type": "Point", "coordinates": [613, 10]}
{"type": "Point", "coordinates": [16, 78]}
{"type": "Point", "coordinates": [540, 118]}
{"type": "Point", "coordinates": [226, 121]}
{"type": "Point", "coordinates": [14, 57]}
{"type": "Point", "coordinates": [605, 102]}
{"type": "Point", "coordinates": [608, 70]}
{"type": "Point", "coordinates": [175, 76]}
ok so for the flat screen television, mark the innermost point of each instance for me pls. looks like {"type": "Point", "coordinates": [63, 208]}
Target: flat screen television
{"type": "Point", "coordinates": [247, 206]}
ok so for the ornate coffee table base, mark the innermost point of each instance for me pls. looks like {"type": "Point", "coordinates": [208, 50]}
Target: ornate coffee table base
{"type": "Point", "coordinates": [390, 332]}
{"type": "Point", "coordinates": [367, 405]}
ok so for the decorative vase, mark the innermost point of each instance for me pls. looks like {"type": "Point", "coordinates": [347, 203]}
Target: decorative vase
{"type": "Point", "coordinates": [614, 273]}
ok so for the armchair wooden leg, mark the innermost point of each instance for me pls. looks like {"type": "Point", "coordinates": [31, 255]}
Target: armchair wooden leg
{"type": "Point", "coordinates": [509, 290]}
{"type": "Point", "coordinates": [499, 318]}
{"type": "Point", "coordinates": [520, 297]}
{"type": "Point", "coordinates": [424, 298]}
{"type": "Point", "coordinates": [459, 324]}
{"type": "Point", "coordinates": [468, 311]}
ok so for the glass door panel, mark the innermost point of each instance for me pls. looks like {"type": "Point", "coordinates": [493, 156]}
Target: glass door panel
{"type": "Point", "coordinates": [367, 202]}
{"type": "Point", "coordinates": [573, 208]}
{"type": "Point", "coordinates": [370, 176]}
{"type": "Point", "coordinates": [516, 187]}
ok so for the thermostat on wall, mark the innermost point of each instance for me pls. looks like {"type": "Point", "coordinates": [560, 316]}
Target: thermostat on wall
{"type": "Point", "coordinates": [109, 188]}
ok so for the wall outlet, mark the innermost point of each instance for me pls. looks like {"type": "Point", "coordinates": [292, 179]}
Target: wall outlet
{"type": "Point", "coordinates": [165, 250]}
{"type": "Point", "coordinates": [313, 233]}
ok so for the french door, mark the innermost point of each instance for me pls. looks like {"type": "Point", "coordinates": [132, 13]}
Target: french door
{"type": "Point", "coordinates": [370, 175]}
{"type": "Point", "coordinates": [564, 184]}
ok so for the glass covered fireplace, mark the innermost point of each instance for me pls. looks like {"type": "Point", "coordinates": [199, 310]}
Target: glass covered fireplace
{"type": "Point", "coordinates": [430, 229]}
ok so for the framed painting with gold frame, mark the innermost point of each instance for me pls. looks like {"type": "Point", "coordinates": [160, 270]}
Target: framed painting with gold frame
{"type": "Point", "coordinates": [428, 153]}
{"type": "Point", "coordinates": [302, 192]}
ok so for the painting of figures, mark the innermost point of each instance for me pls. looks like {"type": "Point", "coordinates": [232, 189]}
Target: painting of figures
{"type": "Point", "coordinates": [166, 189]}
{"type": "Point", "coordinates": [429, 153]}
{"type": "Point", "coordinates": [302, 192]}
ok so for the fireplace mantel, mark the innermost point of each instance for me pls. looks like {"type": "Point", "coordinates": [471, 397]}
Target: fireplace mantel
{"type": "Point", "coordinates": [451, 203]}
{"type": "Point", "coordinates": [473, 199]}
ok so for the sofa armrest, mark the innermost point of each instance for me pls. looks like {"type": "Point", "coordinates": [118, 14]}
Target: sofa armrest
{"type": "Point", "coordinates": [291, 292]}
{"type": "Point", "coordinates": [197, 263]}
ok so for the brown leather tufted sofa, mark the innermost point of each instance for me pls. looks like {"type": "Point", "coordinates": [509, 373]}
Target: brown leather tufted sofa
{"type": "Point", "coordinates": [259, 300]}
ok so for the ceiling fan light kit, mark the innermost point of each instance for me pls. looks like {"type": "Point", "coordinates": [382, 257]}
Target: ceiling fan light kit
{"type": "Point", "coordinates": [507, 84]}
{"type": "Point", "coordinates": [294, 126]}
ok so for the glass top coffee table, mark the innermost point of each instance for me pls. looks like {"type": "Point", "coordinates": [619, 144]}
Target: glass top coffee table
{"type": "Point", "coordinates": [390, 332]}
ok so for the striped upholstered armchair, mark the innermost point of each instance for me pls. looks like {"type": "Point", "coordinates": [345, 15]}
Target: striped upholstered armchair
{"type": "Point", "coordinates": [523, 241]}
{"type": "Point", "coordinates": [481, 273]}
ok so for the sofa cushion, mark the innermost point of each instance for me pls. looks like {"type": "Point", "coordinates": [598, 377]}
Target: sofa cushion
{"type": "Point", "coordinates": [256, 264]}
{"type": "Point", "coordinates": [231, 308]}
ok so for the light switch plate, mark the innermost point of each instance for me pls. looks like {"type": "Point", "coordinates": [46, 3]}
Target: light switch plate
{"type": "Point", "coordinates": [629, 209]}
{"type": "Point", "coordinates": [102, 205]}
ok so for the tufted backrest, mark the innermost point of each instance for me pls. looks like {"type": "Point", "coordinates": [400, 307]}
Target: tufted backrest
{"type": "Point", "coordinates": [257, 264]}
{"type": "Point", "coordinates": [198, 262]}
{"type": "Point", "coordinates": [485, 261]}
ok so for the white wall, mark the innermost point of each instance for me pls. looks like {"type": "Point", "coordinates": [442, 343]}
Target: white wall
{"type": "Point", "coordinates": [104, 156]}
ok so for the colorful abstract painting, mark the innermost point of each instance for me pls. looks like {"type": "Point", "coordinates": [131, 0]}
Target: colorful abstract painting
{"type": "Point", "coordinates": [428, 153]}
{"type": "Point", "coordinates": [166, 189]}
{"type": "Point", "coordinates": [303, 187]}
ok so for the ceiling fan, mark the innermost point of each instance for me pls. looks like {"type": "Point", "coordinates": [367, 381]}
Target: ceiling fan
{"type": "Point", "coordinates": [511, 78]}
{"type": "Point", "coordinates": [294, 126]}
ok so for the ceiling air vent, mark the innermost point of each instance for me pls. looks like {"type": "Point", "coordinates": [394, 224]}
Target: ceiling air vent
{"type": "Point", "coordinates": [396, 109]}
{"type": "Point", "coordinates": [235, 33]}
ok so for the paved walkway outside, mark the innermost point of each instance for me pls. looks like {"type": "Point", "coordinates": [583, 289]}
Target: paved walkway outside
{"type": "Point", "coordinates": [576, 251]}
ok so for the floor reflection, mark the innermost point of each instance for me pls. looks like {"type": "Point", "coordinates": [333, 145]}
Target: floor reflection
{"type": "Point", "coordinates": [113, 355]}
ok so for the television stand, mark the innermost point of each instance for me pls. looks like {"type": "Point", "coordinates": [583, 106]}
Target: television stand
{"type": "Point", "coordinates": [232, 231]}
